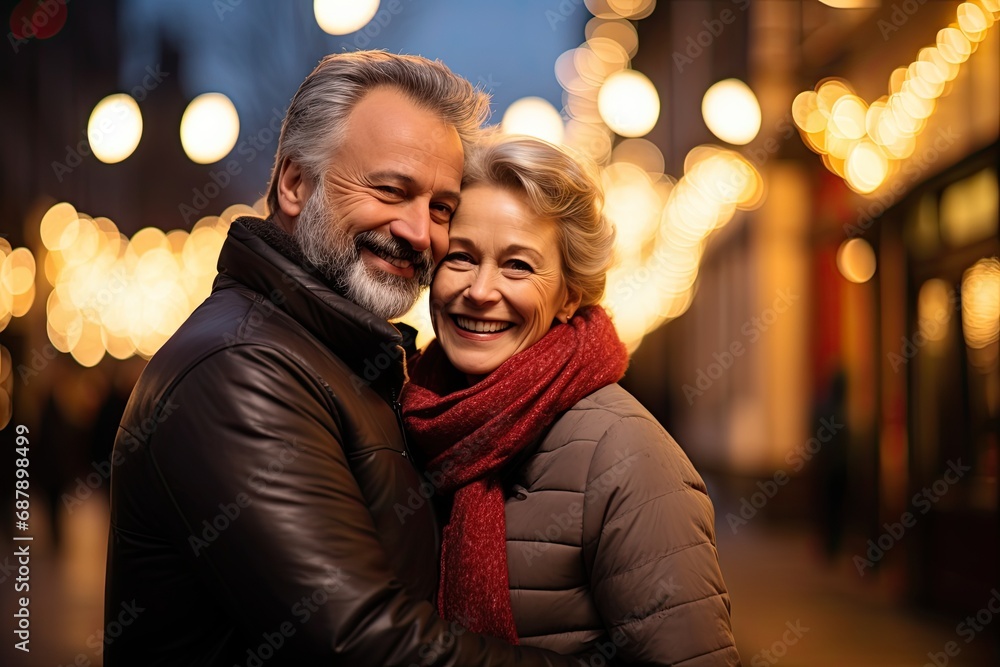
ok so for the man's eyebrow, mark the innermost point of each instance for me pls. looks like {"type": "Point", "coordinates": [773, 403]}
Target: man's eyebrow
{"type": "Point", "coordinates": [409, 181]}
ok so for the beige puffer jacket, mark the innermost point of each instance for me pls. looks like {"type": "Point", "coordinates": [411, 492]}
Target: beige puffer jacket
{"type": "Point", "coordinates": [611, 542]}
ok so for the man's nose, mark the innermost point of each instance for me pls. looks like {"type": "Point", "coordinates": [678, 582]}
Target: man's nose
{"type": "Point", "coordinates": [414, 227]}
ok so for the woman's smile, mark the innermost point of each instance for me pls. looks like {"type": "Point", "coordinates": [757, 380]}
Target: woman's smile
{"type": "Point", "coordinates": [500, 288]}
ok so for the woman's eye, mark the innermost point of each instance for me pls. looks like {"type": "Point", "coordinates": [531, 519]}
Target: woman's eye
{"type": "Point", "coordinates": [520, 265]}
{"type": "Point", "coordinates": [458, 258]}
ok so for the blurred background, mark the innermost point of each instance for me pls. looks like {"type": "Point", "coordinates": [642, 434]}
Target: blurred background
{"type": "Point", "coordinates": [807, 203]}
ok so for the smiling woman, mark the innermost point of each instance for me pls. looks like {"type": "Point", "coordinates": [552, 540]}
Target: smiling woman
{"type": "Point", "coordinates": [517, 412]}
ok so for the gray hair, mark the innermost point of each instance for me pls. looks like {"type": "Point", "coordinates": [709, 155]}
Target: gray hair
{"type": "Point", "coordinates": [314, 124]}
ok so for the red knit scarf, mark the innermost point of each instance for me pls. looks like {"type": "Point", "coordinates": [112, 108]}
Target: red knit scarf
{"type": "Point", "coordinates": [471, 434]}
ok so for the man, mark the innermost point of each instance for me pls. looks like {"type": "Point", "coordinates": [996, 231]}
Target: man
{"type": "Point", "coordinates": [264, 508]}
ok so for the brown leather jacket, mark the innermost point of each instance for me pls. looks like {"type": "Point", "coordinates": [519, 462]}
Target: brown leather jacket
{"type": "Point", "coordinates": [264, 510]}
{"type": "Point", "coordinates": [611, 542]}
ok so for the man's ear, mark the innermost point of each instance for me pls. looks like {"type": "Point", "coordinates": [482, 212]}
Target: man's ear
{"type": "Point", "coordinates": [293, 189]}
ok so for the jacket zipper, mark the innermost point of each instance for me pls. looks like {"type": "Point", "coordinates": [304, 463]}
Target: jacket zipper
{"type": "Point", "coordinates": [398, 409]}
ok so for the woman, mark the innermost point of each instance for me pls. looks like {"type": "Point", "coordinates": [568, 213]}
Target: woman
{"type": "Point", "coordinates": [577, 522]}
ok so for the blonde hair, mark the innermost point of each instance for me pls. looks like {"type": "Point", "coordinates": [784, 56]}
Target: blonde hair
{"type": "Point", "coordinates": [558, 186]}
{"type": "Point", "coordinates": [317, 115]}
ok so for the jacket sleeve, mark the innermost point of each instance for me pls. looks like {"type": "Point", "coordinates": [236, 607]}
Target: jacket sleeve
{"type": "Point", "coordinates": [650, 550]}
{"type": "Point", "coordinates": [269, 512]}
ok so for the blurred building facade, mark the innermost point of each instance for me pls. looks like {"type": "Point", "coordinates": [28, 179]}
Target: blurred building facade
{"type": "Point", "coordinates": [778, 343]}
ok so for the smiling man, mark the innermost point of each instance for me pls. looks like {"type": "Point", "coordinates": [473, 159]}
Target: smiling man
{"type": "Point", "coordinates": [253, 522]}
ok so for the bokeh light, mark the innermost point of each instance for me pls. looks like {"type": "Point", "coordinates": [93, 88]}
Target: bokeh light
{"type": "Point", "coordinates": [536, 117]}
{"type": "Point", "coordinates": [981, 303]}
{"type": "Point", "coordinates": [341, 17]}
{"type": "Point", "coordinates": [856, 260]}
{"type": "Point", "coordinates": [863, 143]}
{"type": "Point", "coordinates": [209, 128]}
{"type": "Point", "coordinates": [628, 103]}
{"type": "Point", "coordinates": [934, 304]}
{"type": "Point", "coordinates": [114, 128]}
{"type": "Point", "coordinates": [114, 295]}
{"type": "Point", "coordinates": [731, 111]}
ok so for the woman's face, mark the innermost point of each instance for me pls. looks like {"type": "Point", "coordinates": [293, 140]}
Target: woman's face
{"type": "Point", "coordinates": [500, 286]}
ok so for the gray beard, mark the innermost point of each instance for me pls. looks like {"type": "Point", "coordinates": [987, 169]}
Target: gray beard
{"type": "Point", "coordinates": [338, 259]}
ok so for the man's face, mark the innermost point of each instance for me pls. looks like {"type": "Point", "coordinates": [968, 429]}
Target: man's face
{"type": "Point", "coordinates": [378, 219]}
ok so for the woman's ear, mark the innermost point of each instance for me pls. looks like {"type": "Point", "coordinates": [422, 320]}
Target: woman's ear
{"type": "Point", "coordinates": [293, 189]}
{"type": "Point", "coordinates": [570, 305]}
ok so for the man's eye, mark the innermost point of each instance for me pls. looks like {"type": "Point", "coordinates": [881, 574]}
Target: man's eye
{"type": "Point", "coordinates": [444, 209]}
{"type": "Point", "coordinates": [390, 190]}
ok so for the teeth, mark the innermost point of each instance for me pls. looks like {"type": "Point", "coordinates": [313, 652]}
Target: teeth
{"type": "Point", "coordinates": [481, 326]}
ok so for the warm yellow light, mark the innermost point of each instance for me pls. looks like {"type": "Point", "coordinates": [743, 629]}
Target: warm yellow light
{"type": "Point", "coordinates": [54, 224]}
{"type": "Point", "coordinates": [850, 4]}
{"type": "Point", "coordinates": [934, 308]}
{"type": "Point", "coordinates": [953, 45]}
{"type": "Point", "coordinates": [534, 117]}
{"type": "Point", "coordinates": [856, 260]}
{"type": "Point", "coordinates": [731, 111]}
{"type": "Point", "coordinates": [628, 103]}
{"type": "Point", "coordinates": [973, 21]}
{"type": "Point", "coordinates": [806, 113]}
{"type": "Point", "coordinates": [981, 303]}
{"type": "Point", "coordinates": [866, 167]}
{"type": "Point", "coordinates": [619, 30]}
{"type": "Point", "coordinates": [115, 128]}
{"type": "Point", "coordinates": [847, 117]}
{"type": "Point", "coordinates": [591, 139]}
{"type": "Point", "coordinates": [829, 91]}
{"type": "Point", "coordinates": [22, 302]}
{"type": "Point", "coordinates": [969, 209]}
{"type": "Point", "coordinates": [340, 17]}
{"type": "Point", "coordinates": [17, 272]}
{"type": "Point", "coordinates": [632, 9]}
{"type": "Point", "coordinates": [209, 128]}
{"type": "Point", "coordinates": [148, 239]}
{"type": "Point", "coordinates": [640, 152]}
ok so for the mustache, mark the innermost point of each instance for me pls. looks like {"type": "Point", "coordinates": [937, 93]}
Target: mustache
{"type": "Point", "coordinates": [422, 262]}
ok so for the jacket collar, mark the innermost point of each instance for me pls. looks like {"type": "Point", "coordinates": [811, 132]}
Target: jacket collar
{"type": "Point", "coordinates": [264, 258]}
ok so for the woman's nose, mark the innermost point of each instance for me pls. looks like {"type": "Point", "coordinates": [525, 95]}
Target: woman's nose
{"type": "Point", "coordinates": [483, 287]}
